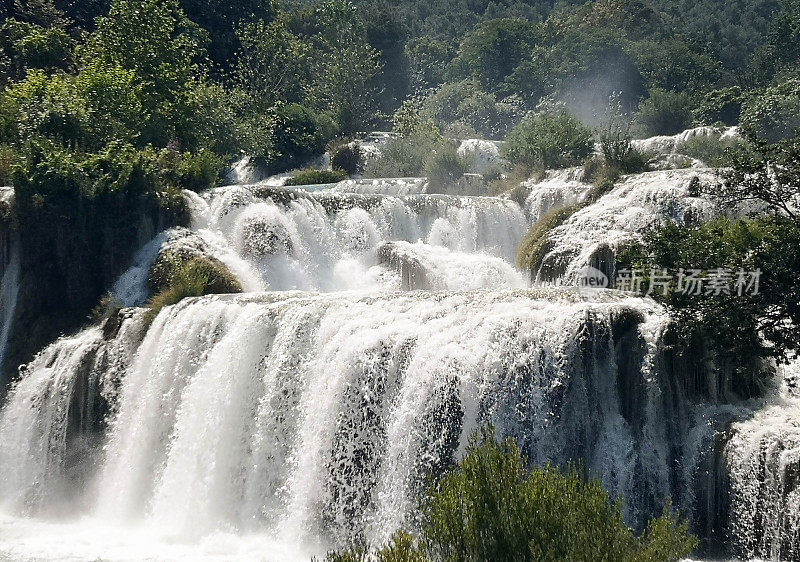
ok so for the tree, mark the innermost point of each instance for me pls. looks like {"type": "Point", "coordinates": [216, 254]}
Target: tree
{"type": "Point", "coordinates": [492, 51]}
{"type": "Point", "coordinates": [272, 65]}
{"type": "Point", "coordinates": [342, 63]}
{"type": "Point", "coordinates": [773, 114]}
{"type": "Point", "coordinates": [154, 40]}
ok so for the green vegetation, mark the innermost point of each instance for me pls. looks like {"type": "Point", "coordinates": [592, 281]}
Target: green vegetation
{"type": "Point", "coordinates": [740, 331]}
{"type": "Point", "coordinates": [195, 276]}
{"type": "Point", "coordinates": [348, 157]}
{"type": "Point", "coordinates": [710, 150]}
{"type": "Point", "coordinates": [548, 140]}
{"type": "Point", "coordinates": [534, 245]}
{"type": "Point", "coordinates": [491, 507]}
{"type": "Point", "coordinates": [313, 177]}
{"type": "Point", "coordinates": [665, 113]}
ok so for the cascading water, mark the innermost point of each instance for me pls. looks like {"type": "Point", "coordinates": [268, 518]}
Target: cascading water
{"type": "Point", "coordinates": [376, 333]}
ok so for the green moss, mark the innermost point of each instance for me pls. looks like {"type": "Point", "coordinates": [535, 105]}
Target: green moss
{"type": "Point", "coordinates": [193, 277]}
{"type": "Point", "coordinates": [313, 177]}
{"type": "Point", "coordinates": [532, 248]}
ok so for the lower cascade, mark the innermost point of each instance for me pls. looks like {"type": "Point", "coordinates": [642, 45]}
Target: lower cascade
{"type": "Point", "coordinates": [317, 418]}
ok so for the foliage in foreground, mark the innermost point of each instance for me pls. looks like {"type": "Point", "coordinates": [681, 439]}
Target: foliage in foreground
{"type": "Point", "coordinates": [492, 508]}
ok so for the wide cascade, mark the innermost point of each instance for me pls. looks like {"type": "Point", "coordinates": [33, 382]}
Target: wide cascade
{"type": "Point", "coordinates": [376, 333]}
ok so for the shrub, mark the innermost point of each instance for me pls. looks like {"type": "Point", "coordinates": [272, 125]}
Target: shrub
{"type": "Point", "coordinates": [444, 168]}
{"type": "Point", "coordinates": [548, 140]}
{"type": "Point", "coordinates": [299, 135]}
{"type": "Point", "coordinates": [773, 115]}
{"type": "Point", "coordinates": [720, 106]}
{"type": "Point", "coordinates": [348, 157]}
{"type": "Point", "coordinates": [402, 157]}
{"type": "Point", "coordinates": [314, 177]}
{"type": "Point", "coordinates": [711, 150]}
{"type": "Point", "coordinates": [665, 113]}
{"type": "Point", "coordinates": [193, 277]}
{"type": "Point", "coordinates": [491, 507]}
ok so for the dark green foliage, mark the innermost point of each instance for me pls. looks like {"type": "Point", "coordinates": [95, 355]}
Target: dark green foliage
{"type": "Point", "coordinates": [313, 177]}
{"type": "Point", "coordinates": [720, 106]}
{"type": "Point", "coordinates": [774, 114]}
{"type": "Point", "coordinates": [710, 150]}
{"type": "Point", "coordinates": [492, 507]}
{"type": "Point", "coordinates": [664, 113]}
{"type": "Point", "coordinates": [427, 59]}
{"type": "Point", "coordinates": [491, 52]}
{"type": "Point", "coordinates": [548, 140]}
{"type": "Point", "coordinates": [31, 46]}
{"type": "Point", "coordinates": [348, 157]}
{"type": "Point", "coordinates": [193, 277]}
{"type": "Point", "coordinates": [299, 135]}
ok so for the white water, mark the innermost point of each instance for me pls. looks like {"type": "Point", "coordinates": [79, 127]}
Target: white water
{"type": "Point", "coordinates": [309, 419]}
{"type": "Point", "coordinates": [636, 203]}
{"type": "Point", "coordinates": [272, 425]}
{"type": "Point", "coordinates": [764, 463]}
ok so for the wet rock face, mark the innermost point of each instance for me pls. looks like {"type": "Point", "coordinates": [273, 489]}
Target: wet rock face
{"type": "Point", "coordinates": [69, 259]}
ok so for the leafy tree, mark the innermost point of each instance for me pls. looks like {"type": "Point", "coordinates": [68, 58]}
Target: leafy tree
{"type": "Point", "coordinates": [221, 20]}
{"type": "Point", "coordinates": [774, 114]}
{"type": "Point", "coordinates": [272, 64]}
{"type": "Point", "coordinates": [427, 58]}
{"type": "Point", "coordinates": [154, 40]}
{"type": "Point", "coordinates": [673, 66]}
{"type": "Point", "coordinates": [492, 51]}
{"type": "Point", "coordinates": [31, 46]}
{"type": "Point", "coordinates": [342, 65]}
{"type": "Point", "coordinates": [723, 105]}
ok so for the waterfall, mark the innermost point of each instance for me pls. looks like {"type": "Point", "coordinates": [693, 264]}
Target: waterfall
{"type": "Point", "coordinates": [378, 329]}
{"type": "Point", "coordinates": [318, 418]}
{"type": "Point", "coordinates": [763, 457]}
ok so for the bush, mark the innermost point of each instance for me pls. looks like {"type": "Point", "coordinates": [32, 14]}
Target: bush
{"type": "Point", "coordinates": [299, 135]}
{"type": "Point", "coordinates": [720, 106]}
{"type": "Point", "coordinates": [491, 507]}
{"type": "Point", "coordinates": [532, 248]}
{"type": "Point", "coordinates": [548, 140]}
{"type": "Point", "coordinates": [193, 277]}
{"type": "Point", "coordinates": [315, 177]}
{"type": "Point", "coordinates": [711, 150]}
{"type": "Point", "coordinates": [348, 157]}
{"type": "Point", "coordinates": [773, 115]}
{"type": "Point", "coordinates": [402, 157]}
{"type": "Point", "coordinates": [664, 113]}
{"type": "Point", "coordinates": [444, 168]}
